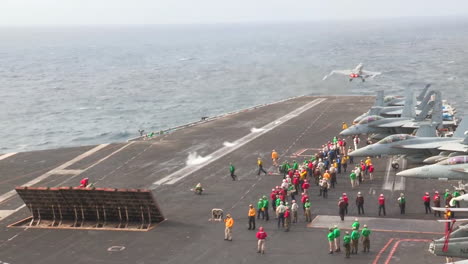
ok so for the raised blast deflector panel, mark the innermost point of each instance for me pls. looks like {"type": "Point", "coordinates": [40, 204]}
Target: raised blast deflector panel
{"type": "Point", "coordinates": [90, 207]}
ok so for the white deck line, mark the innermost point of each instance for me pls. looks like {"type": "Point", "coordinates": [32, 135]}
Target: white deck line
{"type": "Point", "coordinates": [59, 169]}
{"type": "Point", "coordinates": [4, 156]}
{"type": "Point", "coordinates": [189, 169]}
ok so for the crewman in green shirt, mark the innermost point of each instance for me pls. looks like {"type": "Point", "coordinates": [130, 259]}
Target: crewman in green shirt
{"type": "Point", "coordinates": [346, 244]}
{"type": "Point", "coordinates": [331, 238]}
{"type": "Point", "coordinates": [295, 165]}
{"type": "Point", "coordinates": [336, 233]}
{"type": "Point", "coordinates": [259, 209]}
{"type": "Point", "coordinates": [352, 177]}
{"type": "Point", "coordinates": [232, 169]}
{"type": "Point", "coordinates": [365, 238]}
{"type": "Point", "coordinates": [354, 240]}
{"type": "Point", "coordinates": [265, 208]}
{"type": "Point", "coordinates": [356, 224]}
{"type": "Point", "coordinates": [285, 168]}
{"type": "Point", "coordinates": [308, 214]}
{"type": "Point", "coordinates": [455, 194]}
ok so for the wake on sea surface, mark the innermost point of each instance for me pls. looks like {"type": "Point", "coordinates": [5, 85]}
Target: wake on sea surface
{"type": "Point", "coordinates": [89, 87]}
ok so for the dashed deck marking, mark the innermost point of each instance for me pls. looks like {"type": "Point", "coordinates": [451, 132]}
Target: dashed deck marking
{"type": "Point", "coordinates": [46, 175]}
{"type": "Point", "coordinates": [189, 169]}
{"type": "Point", "coordinates": [59, 170]}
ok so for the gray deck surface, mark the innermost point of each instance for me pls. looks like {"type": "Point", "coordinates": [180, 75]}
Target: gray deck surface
{"type": "Point", "coordinates": [187, 236]}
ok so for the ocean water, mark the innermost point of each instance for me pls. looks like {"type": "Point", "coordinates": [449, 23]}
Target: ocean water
{"type": "Point", "coordinates": [71, 86]}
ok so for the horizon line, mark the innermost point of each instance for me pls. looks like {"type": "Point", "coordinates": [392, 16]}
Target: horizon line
{"type": "Point", "coordinates": [245, 22]}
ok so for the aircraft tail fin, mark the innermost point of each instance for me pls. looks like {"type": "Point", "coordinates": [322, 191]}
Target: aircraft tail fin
{"type": "Point", "coordinates": [379, 99]}
{"type": "Point", "coordinates": [423, 92]}
{"type": "Point", "coordinates": [425, 111]}
{"type": "Point", "coordinates": [462, 128]}
{"type": "Point", "coordinates": [427, 130]}
{"type": "Point", "coordinates": [425, 100]}
{"type": "Point", "coordinates": [437, 110]}
{"type": "Point", "coordinates": [375, 110]}
{"type": "Point", "coordinates": [408, 108]}
{"type": "Point", "coordinates": [465, 141]}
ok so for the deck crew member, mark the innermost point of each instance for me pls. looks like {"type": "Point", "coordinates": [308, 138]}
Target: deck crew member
{"type": "Point", "coordinates": [346, 243]}
{"type": "Point", "coordinates": [229, 223]}
{"type": "Point", "coordinates": [294, 209]}
{"type": "Point", "coordinates": [232, 169]}
{"type": "Point", "coordinates": [331, 238]}
{"type": "Point", "coordinates": [274, 158]}
{"type": "Point", "coordinates": [260, 166]}
{"type": "Point", "coordinates": [381, 204]}
{"type": "Point", "coordinates": [427, 202]}
{"type": "Point", "coordinates": [402, 203]}
{"type": "Point", "coordinates": [337, 234]}
{"type": "Point", "coordinates": [261, 236]}
{"type": "Point", "coordinates": [354, 240]}
{"type": "Point", "coordinates": [436, 201]}
{"type": "Point", "coordinates": [251, 216]}
{"type": "Point", "coordinates": [365, 239]}
{"type": "Point", "coordinates": [360, 203]}
{"type": "Point", "coordinates": [265, 208]}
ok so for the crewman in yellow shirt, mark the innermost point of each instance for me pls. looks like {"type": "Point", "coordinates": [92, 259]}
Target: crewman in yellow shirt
{"type": "Point", "coordinates": [251, 216]}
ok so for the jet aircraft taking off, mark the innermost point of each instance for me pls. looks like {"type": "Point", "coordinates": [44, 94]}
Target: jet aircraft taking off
{"type": "Point", "coordinates": [357, 72]}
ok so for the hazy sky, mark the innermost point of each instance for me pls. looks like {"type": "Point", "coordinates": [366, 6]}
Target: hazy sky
{"type": "Point", "coordinates": [65, 12]}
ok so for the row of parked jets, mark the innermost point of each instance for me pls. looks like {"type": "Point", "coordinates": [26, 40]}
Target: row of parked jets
{"type": "Point", "coordinates": [412, 127]}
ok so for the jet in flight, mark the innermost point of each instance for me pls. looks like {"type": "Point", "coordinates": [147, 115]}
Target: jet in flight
{"type": "Point", "coordinates": [454, 168]}
{"type": "Point", "coordinates": [357, 72]}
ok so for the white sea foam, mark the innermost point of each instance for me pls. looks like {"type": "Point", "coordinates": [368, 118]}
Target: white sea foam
{"type": "Point", "coordinates": [228, 144]}
{"type": "Point", "coordinates": [195, 159]}
{"type": "Point", "coordinates": [256, 130]}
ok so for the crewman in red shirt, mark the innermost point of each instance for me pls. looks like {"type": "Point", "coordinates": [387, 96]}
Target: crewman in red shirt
{"type": "Point", "coordinates": [346, 200]}
{"type": "Point", "coordinates": [261, 236]}
{"type": "Point", "coordinates": [84, 182]}
{"type": "Point", "coordinates": [381, 204]}
{"type": "Point", "coordinates": [427, 202]}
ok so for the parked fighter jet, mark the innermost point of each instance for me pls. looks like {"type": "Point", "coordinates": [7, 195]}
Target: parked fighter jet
{"type": "Point", "coordinates": [455, 245]}
{"type": "Point", "coordinates": [455, 168]}
{"type": "Point", "coordinates": [443, 155]}
{"type": "Point", "coordinates": [405, 124]}
{"type": "Point", "coordinates": [357, 72]}
{"type": "Point", "coordinates": [385, 106]}
{"type": "Point", "coordinates": [423, 144]}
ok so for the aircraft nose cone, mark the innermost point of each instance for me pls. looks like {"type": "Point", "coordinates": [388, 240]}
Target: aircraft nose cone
{"type": "Point", "coordinates": [362, 152]}
{"type": "Point", "coordinates": [409, 173]}
{"type": "Point", "coordinates": [348, 132]}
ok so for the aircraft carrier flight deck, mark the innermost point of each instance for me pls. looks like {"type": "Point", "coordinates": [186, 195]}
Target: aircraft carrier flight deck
{"type": "Point", "coordinates": [171, 164]}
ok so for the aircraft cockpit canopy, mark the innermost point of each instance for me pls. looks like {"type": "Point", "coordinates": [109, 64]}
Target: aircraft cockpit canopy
{"type": "Point", "coordinates": [395, 138]}
{"type": "Point", "coordinates": [454, 160]}
{"type": "Point", "coordinates": [369, 119]}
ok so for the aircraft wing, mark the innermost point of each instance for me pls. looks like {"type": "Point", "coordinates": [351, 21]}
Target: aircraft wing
{"type": "Point", "coordinates": [427, 145]}
{"type": "Point", "coordinates": [442, 209]}
{"type": "Point", "coordinates": [463, 170]}
{"type": "Point", "coordinates": [454, 146]}
{"type": "Point", "coordinates": [343, 72]}
{"type": "Point", "coordinates": [396, 123]}
{"type": "Point", "coordinates": [370, 74]}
